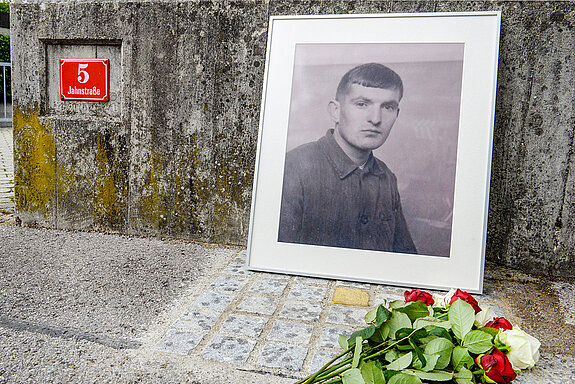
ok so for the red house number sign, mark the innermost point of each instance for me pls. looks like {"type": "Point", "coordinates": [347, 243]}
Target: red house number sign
{"type": "Point", "coordinates": [84, 79]}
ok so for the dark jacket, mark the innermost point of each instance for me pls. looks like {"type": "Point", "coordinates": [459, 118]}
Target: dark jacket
{"type": "Point", "coordinates": [328, 200]}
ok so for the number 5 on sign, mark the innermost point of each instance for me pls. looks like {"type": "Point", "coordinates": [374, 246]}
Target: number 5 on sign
{"type": "Point", "coordinates": [81, 72]}
{"type": "Point", "coordinates": [84, 79]}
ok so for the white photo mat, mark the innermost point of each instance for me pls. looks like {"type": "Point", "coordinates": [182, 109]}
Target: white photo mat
{"type": "Point", "coordinates": [479, 32]}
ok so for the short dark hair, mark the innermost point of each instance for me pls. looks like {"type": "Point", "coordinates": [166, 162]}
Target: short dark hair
{"type": "Point", "coordinates": [372, 75]}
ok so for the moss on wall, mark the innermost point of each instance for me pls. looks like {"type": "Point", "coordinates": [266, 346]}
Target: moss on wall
{"type": "Point", "coordinates": [35, 172]}
{"type": "Point", "coordinates": [107, 205]}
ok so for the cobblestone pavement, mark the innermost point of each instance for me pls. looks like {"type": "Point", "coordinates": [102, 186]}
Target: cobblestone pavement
{"type": "Point", "coordinates": [262, 321]}
{"type": "Point", "coordinates": [6, 170]}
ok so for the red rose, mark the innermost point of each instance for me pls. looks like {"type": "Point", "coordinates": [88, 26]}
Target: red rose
{"type": "Point", "coordinates": [417, 295]}
{"type": "Point", "coordinates": [459, 294]}
{"type": "Point", "coordinates": [497, 367]}
{"type": "Point", "coordinates": [500, 323]}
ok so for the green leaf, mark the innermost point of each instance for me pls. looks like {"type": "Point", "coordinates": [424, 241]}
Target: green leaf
{"type": "Point", "coordinates": [370, 316]}
{"type": "Point", "coordinates": [440, 332]}
{"type": "Point", "coordinates": [463, 376]}
{"type": "Point", "coordinates": [401, 363]}
{"type": "Point", "coordinates": [461, 358]}
{"type": "Point", "coordinates": [431, 362]}
{"type": "Point", "coordinates": [415, 310]}
{"type": "Point", "coordinates": [371, 373]}
{"type": "Point", "coordinates": [433, 375]}
{"type": "Point", "coordinates": [419, 335]}
{"type": "Point", "coordinates": [492, 331]}
{"type": "Point", "coordinates": [396, 304]}
{"type": "Point", "coordinates": [478, 342]}
{"type": "Point", "coordinates": [381, 333]}
{"type": "Point", "coordinates": [392, 355]}
{"type": "Point", "coordinates": [403, 378]}
{"type": "Point", "coordinates": [428, 320]}
{"type": "Point", "coordinates": [352, 376]}
{"type": "Point", "coordinates": [462, 318]}
{"type": "Point", "coordinates": [388, 374]}
{"type": "Point", "coordinates": [398, 320]}
{"type": "Point", "coordinates": [357, 352]}
{"type": "Point", "coordinates": [418, 352]}
{"type": "Point", "coordinates": [364, 333]}
{"type": "Point", "coordinates": [441, 347]}
{"type": "Point", "coordinates": [342, 341]}
{"type": "Point", "coordinates": [382, 315]}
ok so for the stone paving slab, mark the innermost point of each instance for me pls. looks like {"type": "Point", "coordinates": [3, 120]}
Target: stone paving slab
{"type": "Point", "coordinates": [269, 287]}
{"type": "Point", "coordinates": [278, 355]}
{"type": "Point", "coordinates": [180, 342]}
{"type": "Point", "coordinates": [199, 320]}
{"type": "Point", "coordinates": [301, 311]}
{"type": "Point", "coordinates": [258, 304]}
{"type": "Point", "coordinates": [244, 325]}
{"type": "Point", "coordinates": [291, 332]}
{"type": "Point", "coordinates": [307, 292]}
{"type": "Point", "coordinates": [229, 349]}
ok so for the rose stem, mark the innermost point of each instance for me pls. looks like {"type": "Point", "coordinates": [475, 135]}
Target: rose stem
{"type": "Point", "coordinates": [311, 379]}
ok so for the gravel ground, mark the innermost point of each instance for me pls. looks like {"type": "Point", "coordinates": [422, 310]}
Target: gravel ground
{"type": "Point", "coordinates": [75, 306]}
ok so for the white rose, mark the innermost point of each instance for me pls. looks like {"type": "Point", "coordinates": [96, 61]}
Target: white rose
{"type": "Point", "coordinates": [523, 348]}
{"type": "Point", "coordinates": [483, 317]}
{"type": "Point", "coordinates": [443, 301]}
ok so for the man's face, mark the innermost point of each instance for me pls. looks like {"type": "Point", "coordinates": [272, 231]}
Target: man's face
{"type": "Point", "coordinates": [365, 117]}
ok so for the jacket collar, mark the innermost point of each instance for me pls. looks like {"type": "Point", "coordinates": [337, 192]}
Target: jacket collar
{"type": "Point", "coordinates": [341, 163]}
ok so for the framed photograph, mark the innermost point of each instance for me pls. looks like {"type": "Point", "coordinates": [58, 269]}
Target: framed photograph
{"type": "Point", "coordinates": [374, 149]}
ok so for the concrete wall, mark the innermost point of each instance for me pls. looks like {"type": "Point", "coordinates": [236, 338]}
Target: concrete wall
{"type": "Point", "coordinates": [173, 152]}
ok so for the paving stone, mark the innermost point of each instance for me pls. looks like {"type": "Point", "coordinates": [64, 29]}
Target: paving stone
{"type": "Point", "coordinates": [228, 349]}
{"type": "Point", "coordinates": [291, 332]}
{"type": "Point", "coordinates": [307, 292]}
{"type": "Point", "coordinates": [228, 284]}
{"type": "Point", "coordinates": [197, 319]}
{"type": "Point", "coordinates": [350, 316]}
{"type": "Point", "coordinates": [349, 284]}
{"type": "Point", "coordinates": [243, 325]}
{"type": "Point", "coordinates": [301, 311]}
{"type": "Point", "coordinates": [237, 268]}
{"type": "Point", "coordinates": [180, 342]}
{"type": "Point", "coordinates": [216, 301]}
{"type": "Point", "coordinates": [382, 296]}
{"type": "Point", "coordinates": [276, 355]}
{"type": "Point", "coordinates": [269, 287]}
{"type": "Point", "coordinates": [321, 358]}
{"type": "Point", "coordinates": [259, 304]}
{"type": "Point", "coordinates": [311, 280]}
{"type": "Point", "coordinates": [331, 335]}
{"type": "Point", "coordinates": [276, 276]}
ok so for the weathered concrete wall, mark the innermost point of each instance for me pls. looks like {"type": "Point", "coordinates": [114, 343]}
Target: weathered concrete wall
{"type": "Point", "coordinates": [176, 156]}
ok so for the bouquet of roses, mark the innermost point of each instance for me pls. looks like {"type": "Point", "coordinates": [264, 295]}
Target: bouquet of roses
{"type": "Point", "coordinates": [431, 339]}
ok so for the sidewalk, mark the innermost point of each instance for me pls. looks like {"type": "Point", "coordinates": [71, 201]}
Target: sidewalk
{"type": "Point", "coordinates": [89, 307]}
{"type": "Point", "coordinates": [6, 170]}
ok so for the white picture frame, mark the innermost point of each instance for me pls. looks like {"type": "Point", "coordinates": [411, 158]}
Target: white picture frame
{"type": "Point", "coordinates": [431, 51]}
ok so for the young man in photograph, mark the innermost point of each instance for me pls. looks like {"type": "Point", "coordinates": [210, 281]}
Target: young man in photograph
{"type": "Point", "coordinates": [335, 192]}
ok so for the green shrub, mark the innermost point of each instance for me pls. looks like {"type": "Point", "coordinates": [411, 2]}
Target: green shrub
{"type": "Point", "coordinates": [4, 48]}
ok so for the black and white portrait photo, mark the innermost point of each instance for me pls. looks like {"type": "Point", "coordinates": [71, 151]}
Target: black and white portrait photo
{"type": "Point", "coordinates": [372, 147]}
